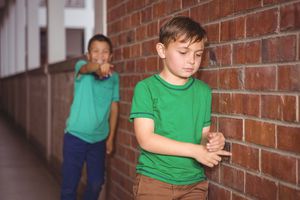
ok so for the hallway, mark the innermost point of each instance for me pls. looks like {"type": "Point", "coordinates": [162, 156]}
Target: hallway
{"type": "Point", "coordinates": [23, 176]}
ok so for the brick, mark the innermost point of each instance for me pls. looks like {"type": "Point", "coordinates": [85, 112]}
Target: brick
{"type": "Point", "coordinates": [279, 166]}
{"type": "Point", "coordinates": [288, 138]}
{"type": "Point", "coordinates": [233, 29]}
{"type": "Point", "coordinates": [227, 8]}
{"type": "Point", "coordinates": [135, 51]}
{"type": "Point", "coordinates": [298, 171]}
{"type": "Point", "coordinates": [112, 3]}
{"type": "Point", "coordinates": [290, 17]}
{"type": "Point", "coordinates": [189, 3]}
{"type": "Point", "coordinates": [279, 49]}
{"type": "Point", "coordinates": [237, 197]}
{"type": "Point", "coordinates": [278, 107]}
{"type": "Point", "coordinates": [251, 161]}
{"type": "Point", "coordinates": [130, 66]}
{"type": "Point", "coordinates": [135, 19]}
{"type": "Point", "coordinates": [174, 6]}
{"type": "Point", "coordinates": [226, 55]}
{"type": "Point", "coordinates": [210, 77]}
{"type": "Point", "coordinates": [255, 78]}
{"type": "Point", "coordinates": [239, 53]}
{"type": "Point", "coordinates": [217, 193]}
{"type": "Point", "coordinates": [140, 65]}
{"type": "Point", "coordinates": [246, 5]}
{"type": "Point", "coordinates": [253, 52]}
{"type": "Point", "coordinates": [213, 33]}
{"type": "Point", "coordinates": [133, 5]}
{"type": "Point", "coordinates": [123, 138]}
{"type": "Point", "coordinates": [215, 103]}
{"type": "Point", "coordinates": [117, 12]}
{"type": "Point", "coordinates": [214, 10]}
{"type": "Point", "coordinates": [230, 78]}
{"type": "Point", "coordinates": [134, 142]}
{"type": "Point", "coordinates": [299, 47]}
{"type": "Point", "coordinates": [214, 124]}
{"type": "Point", "coordinates": [231, 128]}
{"type": "Point", "coordinates": [213, 173]}
{"type": "Point", "coordinates": [246, 53]}
{"type": "Point", "coordinates": [246, 104]}
{"type": "Point", "coordinates": [225, 103]}
{"type": "Point", "coordinates": [147, 14]}
{"type": "Point", "coordinates": [141, 33]}
{"type": "Point", "coordinates": [117, 54]}
{"type": "Point", "coordinates": [221, 55]}
{"type": "Point", "coordinates": [232, 178]}
{"type": "Point", "coordinates": [288, 77]}
{"type": "Point", "coordinates": [159, 9]}
{"type": "Point", "coordinates": [261, 133]}
{"type": "Point", "coordinates": [200, 13]}
{"type": "Point", "coordinates": [268, 2]}
{"type": "Point", "coordinates": [288, 193]}
{"type": "Point", "coordinates": [260, 187]}
{"type": "Point", "coordinates": [126, 52]}
{"type": "Point", "coordinates": [148, 48]}
{"type": "Point", "coordinates": [153, 29]}
{"type": "Point", "coordinates": [298, 109]}
{"type": "Point", "coordinates": [152, 64]}
{"type": "Point", "coordinates": [115, 27]}
{"type": "Point", "coordinates": [267, 25]}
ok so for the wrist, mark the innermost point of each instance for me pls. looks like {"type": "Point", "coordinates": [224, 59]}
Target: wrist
{"type": "Point", "coordinates": [197, 150]}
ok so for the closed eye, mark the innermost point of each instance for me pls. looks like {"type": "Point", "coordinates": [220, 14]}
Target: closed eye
{"type": "Point", "coordinates": [182, 52]}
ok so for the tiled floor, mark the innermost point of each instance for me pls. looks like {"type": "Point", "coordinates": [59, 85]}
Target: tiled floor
{"type": "Point", "coordinates": [23, 176]}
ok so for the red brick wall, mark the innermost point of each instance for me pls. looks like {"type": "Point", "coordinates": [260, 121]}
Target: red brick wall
{"type": "Point", "coordinates": [253, 66]}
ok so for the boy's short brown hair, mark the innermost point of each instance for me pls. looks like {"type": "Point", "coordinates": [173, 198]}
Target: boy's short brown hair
{"type": "Point", "coordinates": [181, 26]}
{"type": "Point", "coordinates": [100, 38]}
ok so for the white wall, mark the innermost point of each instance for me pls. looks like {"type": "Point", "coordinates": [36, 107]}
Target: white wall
{"type": "Point", "coordinates": [76, 18]}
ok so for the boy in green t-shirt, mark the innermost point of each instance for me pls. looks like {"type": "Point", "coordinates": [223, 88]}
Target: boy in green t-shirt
{"type": "Point", "coordinates": [91, 125]}
{"type": "Point", "coordinates": [171, 112]}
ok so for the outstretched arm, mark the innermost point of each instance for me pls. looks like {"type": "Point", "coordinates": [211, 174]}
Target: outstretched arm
{"type": "Point", "coordinates": [113, 119]}
{"type": "Point", "coordinates": [101, 69]}
{"type": "Point", "coordinates": [90, 67]}
{"type": "Point", "coordinates": [149, 141]}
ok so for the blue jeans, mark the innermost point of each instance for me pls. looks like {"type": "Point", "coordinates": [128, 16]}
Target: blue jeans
{"type": "Point", "coordinates": [75, 153]}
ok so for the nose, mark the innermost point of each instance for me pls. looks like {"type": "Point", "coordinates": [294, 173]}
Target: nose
{"type": "Point", "coordinates": [191, 59]}
{"type": "Point", "coordinates": [101, 56]}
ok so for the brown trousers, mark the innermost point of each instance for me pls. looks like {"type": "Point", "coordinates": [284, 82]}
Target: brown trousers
{"type": "Point", "coordinates": [146, 188]}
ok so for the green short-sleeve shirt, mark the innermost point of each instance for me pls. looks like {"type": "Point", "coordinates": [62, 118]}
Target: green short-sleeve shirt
{"type": "Point", "coordinates": [179, 113]}
{"type": "Point", "coordinates": [89, 113]}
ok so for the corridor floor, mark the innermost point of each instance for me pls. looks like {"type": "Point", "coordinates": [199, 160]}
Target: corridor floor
{"type": "Point", "coordinates": [23, 176]}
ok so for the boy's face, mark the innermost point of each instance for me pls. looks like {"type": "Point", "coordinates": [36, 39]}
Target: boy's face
{"type": "Point", "coordinates": [99, 52]}
{"type": "Point", "coordinates": [181, 59]}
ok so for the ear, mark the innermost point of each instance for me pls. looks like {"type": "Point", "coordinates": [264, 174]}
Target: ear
{"type": "Point", "coordinates": [160, 48]}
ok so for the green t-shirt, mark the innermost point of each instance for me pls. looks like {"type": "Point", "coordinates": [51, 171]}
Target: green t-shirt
{"type": "Point", "coordinates": [179, 113]}
{"type": "Point", "coordinates": [89, 113]}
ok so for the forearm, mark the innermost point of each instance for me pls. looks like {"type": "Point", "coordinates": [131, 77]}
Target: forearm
{"type": "Point", "coordinates": [161, 145]}
{"type": "Point", "coordinates": [89, 68]}
{"type": "Point", "coordinates": [155, 143]}
{"type": "Point", "coordinates": [149, 141]}
{"type": "Point", "coordinates": [113, 119]}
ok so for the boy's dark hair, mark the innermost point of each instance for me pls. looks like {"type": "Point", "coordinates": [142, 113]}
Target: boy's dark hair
{"type": "Point", "coordinates": [181, 26]}
{"type": "Point", "coordinates": [100, 38]}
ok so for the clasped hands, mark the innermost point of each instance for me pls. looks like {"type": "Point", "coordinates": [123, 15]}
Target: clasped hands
{"type": "Point", "coordinates": [210, 153]}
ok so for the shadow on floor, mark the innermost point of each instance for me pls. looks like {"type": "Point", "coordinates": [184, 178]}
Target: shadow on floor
{"type": "Point", "coordinates": [23, 175]}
